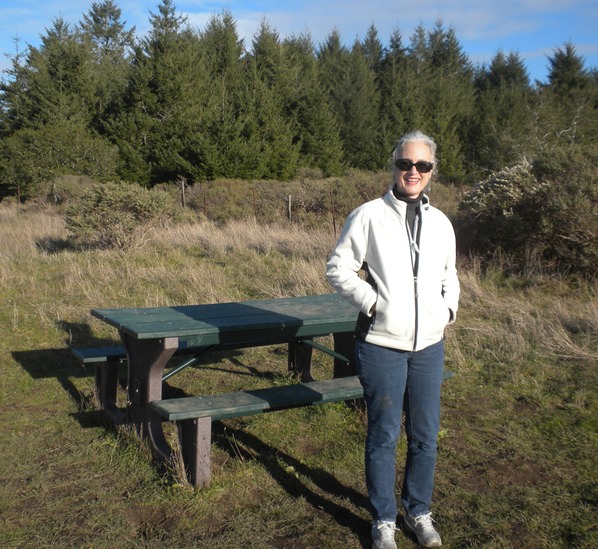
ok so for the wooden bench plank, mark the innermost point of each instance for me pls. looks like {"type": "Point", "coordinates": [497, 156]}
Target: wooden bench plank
{"type": "Point", "coordinates": [100, 354]}
{"type": "Point", "coordinates": [97, 355]}
{"type": "Point", "coordinates": [194, 415]}
{"type": "Point", "coordinates": [243, 403]}
{"type": "Point", "coordinates": [250, 402]}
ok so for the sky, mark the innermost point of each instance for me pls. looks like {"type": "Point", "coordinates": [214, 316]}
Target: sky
{"type": "Point", "coordinates": [533, 29]}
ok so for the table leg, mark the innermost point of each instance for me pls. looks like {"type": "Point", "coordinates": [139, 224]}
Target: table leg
{"type": "Point", "coordinates": [106, 387]}
{"type": "Point", "coordinates": [147, 359]}
{"type": "Point", "coordinates": [196, 446]}
{"type": "Point", "coordinates": [300, 360]}
{"type": "Point", "coordinates": [344, 344]}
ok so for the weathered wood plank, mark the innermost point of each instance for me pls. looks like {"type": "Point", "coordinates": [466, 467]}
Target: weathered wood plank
{"type": "Point", "coordinates": [257, 401]}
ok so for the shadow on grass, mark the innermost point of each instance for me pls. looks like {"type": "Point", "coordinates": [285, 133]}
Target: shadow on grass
{"type": "Point", "coordinates": [293, 476]}
{"type": "Point", "coordinates": [54, 363]}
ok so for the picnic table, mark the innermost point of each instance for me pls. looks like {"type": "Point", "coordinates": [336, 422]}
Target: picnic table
{"type": "Point", "coordinates": [152, 336]}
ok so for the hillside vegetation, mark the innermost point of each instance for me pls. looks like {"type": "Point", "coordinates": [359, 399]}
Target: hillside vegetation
{"type": "Point", "coordinates": [517, 462]}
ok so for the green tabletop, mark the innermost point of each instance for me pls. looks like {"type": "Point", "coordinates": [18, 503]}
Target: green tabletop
{"type": "Point", "coordinates": [255, 321]}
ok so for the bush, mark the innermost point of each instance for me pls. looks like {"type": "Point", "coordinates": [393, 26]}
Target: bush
{"type": "Point", "coordinates": [31, 157]}
{"type": "Point", "coordinates": [545, 212]}
{"type": "Point", "coordinates": [64, 189]}
{"type": "Point", "coordinates": [116, 215]}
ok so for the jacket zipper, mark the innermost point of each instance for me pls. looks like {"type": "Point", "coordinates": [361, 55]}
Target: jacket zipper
{"type": "Point", "coordinates": [416, 311]}
{"type": "Point", "coordinates": [414, 249]}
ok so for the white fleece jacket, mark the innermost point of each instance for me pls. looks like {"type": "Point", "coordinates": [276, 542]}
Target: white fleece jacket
{"type": "Point", "coordinates": [412, 309]}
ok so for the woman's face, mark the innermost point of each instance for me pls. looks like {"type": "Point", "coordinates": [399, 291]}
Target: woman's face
{"type": "Point", "coordinates": [412, 182]}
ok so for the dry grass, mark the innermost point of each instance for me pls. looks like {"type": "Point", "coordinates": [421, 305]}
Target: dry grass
{"type": "Point", "coordinates": [518, 448]}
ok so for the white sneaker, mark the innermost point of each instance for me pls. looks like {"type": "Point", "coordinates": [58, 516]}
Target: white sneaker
{"type": "Point", "coordinates": [424, 531]}
{"type": "Point", "coordinates": [383, 535]}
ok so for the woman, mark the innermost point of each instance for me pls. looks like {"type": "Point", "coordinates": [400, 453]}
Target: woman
{"type": "Point", "coordinates": [407, 249]}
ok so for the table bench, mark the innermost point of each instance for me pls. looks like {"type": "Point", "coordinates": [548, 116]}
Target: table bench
{"type": "Point", "coordinates": [194, 415]}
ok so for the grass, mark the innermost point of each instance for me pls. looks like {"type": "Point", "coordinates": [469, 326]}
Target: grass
{"type": "Point", "coordinates": [517, 462]}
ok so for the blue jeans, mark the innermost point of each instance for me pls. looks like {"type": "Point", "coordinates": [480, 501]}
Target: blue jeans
{"type": "Point", "coordinates": [395, 381]}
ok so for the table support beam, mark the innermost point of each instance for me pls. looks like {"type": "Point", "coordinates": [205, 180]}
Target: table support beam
{"type": "Point", "coordinates": [344, 345]}
{"type": "Point", "coordinates": [106, 388]}
{"type": "Point", "coordinates": [147, 359]}
{"type": "Point", "coordinates": [299, 360]}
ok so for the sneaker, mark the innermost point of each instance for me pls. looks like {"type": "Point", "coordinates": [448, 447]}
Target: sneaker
{"type": "Point", "coordinates": [424, 531]}
{"type": "Point", "coordinates": [383, 535]}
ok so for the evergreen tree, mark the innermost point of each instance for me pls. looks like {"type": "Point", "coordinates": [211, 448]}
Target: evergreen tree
{"type": "Point", "coordinates": [373, 50]}
{"type": "Point", "coordinates": [361, 123]}
{"type": "Point", "coordinates": [567, 109]}
{"type": "Point", "coordinates": [567, 75]}
{"type": "Point", "coordinates": [417, 80]}
{"type": "Point", "coordinates": [13, 94]}
{"type": "Point", "coordinates": [315, 126]}
{"type": "Point", "coordinates": [397, 103]}
{"type": "Point", "coordinates": [110, 45]}
{"type": "Point", "coordinates": [333, 62]}
{"type": "Point", "coordinates": [502, 124]}
{"type": "Point", "coordinates": [57, 78]}
{"type": "Point", "coordinates": [159, 132]}
{"type": "Point", "coordinates": [110, 41]}
{"type": "Point", "coordinates": [225, 105]}
{"type": "Point", "coordinates": [269, 130]}
{"type": "Point", "coordinates": [224, 50]}
{"type": "Point", "coordinates": [354, 100]}
{"type": "Point", "coordinates": [449, 98]}
{"type": "Point", "coordinates": [48, 110]}
{"type": "Point", "coordinates": [31, 157]}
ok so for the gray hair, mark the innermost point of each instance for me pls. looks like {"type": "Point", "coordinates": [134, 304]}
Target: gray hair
{"type": "Point", "coordinates": [415, 136]}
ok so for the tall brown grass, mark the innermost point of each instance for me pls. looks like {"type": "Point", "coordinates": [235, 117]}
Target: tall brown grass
{"type": "Point", "coordinates": [522, 404]}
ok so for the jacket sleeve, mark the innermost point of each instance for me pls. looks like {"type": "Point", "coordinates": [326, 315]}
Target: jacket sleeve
{"type": "Point", "coordinates": [346, 259]}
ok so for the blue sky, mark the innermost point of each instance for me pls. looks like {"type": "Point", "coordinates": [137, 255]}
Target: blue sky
{"type": "Point", "coordinates": [532, 28]}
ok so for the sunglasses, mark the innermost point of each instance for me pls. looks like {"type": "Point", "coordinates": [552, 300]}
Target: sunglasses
{"type": "Point", "coordinates": [421, 166]}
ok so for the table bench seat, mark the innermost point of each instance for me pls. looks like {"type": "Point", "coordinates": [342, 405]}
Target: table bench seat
{"type": "Point", "coordinates": [249, 402]}
{"type": "Point", "coordinates": [100, 355]}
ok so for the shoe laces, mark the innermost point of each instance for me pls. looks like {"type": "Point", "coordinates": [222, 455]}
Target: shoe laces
{"type": "Point", "coordinates": [386, 529]}
{"type": "Point", "coordinates": [425, 522]}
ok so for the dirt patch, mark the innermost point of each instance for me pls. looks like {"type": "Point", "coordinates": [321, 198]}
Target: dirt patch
{"type": "Point", "coordinates": [495, 475]}
{"type": "Point", "coordinates": [144, 520]}
{"type": "Point", "coordinates": [523, 406]}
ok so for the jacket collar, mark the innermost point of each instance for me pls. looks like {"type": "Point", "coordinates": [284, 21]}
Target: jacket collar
{"type": "Point", "coordinates": [400, 206]}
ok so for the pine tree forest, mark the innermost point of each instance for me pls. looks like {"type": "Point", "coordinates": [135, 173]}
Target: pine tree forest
{"type": "Point", "coordinates": [201, 104]}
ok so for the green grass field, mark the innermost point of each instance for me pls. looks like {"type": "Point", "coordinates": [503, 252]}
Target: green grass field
{"type": "Point", "coordinates": [517, 466]}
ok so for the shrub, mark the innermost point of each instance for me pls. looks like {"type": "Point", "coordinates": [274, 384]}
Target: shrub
{"type": "Point", "coordinates": [31, 157]}
{"type": "Point", "coordinates": [495, 212]}
{"type": "Point", "coordinates": [546, 211]}
{"type": "Point", "coordinates": [116, 215]}
{"type": "Point", "coordinates": [570, 229]}
{"type": "Point", "coordinates": [64, 189]}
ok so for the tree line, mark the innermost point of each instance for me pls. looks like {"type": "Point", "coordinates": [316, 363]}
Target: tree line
{"type": "Point", "coordinates": [198, 104]}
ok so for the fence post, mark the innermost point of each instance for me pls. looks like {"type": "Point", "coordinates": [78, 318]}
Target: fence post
{"type": "Point", "coordinates": [183, 186]}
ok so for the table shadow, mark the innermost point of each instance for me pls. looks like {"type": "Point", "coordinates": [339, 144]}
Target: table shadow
{"type": "Point", "coordinates": [289, 473]}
